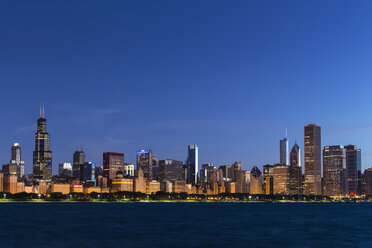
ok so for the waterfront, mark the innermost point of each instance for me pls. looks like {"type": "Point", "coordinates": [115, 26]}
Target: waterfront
{"type": "Point", "coordinates": [185, 225]}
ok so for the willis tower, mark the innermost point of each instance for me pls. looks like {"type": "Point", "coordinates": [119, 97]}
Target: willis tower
{"type": "Point", "coordinates": [42, 159]}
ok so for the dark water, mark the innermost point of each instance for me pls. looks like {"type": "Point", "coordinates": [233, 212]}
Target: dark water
{"type": "Point", "coordinates": [185, 225]}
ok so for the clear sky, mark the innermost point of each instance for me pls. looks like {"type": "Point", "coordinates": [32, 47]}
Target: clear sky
{"type": "Point", "coordinates": [229, 76]}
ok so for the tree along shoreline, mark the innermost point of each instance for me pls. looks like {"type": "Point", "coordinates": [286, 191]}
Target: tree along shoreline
{"type": "Point", "coordinates": [171, 197]}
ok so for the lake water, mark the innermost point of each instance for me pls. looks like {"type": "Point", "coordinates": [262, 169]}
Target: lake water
{"type": "Point", "coordinates": [185, 225]}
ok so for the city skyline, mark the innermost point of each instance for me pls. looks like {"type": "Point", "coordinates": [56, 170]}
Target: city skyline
{"type": "Point", "coordinates": [117, 81]}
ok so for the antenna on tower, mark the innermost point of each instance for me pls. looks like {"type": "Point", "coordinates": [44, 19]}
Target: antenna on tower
{"type": "Point", "coordinates": [43, 111]}
{"type": "Point", "coordinates": [40, 110]}
{"type": "Point", "coordinates": [286, 133]}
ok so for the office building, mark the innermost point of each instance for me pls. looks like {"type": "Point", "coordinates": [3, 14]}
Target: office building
{"type": "Point", "coordinates": [128, 170]}
{"type": "Point", "coordinates": [192, 164]}
{"type": "Point", "coordinates": [16, 159]}
{"type": "Point", "coordinates": [42, 156]}
{"type": "Point", "coordinates": [353, 170]}
{"type": "Point", "coordinates": [281, 179]}
{"type": "Point", "coordinates": [256, 181]}
{"type": "Point", "coordinates": [87, 173]}
{"type": "Point", "coordinates": [78, 161]}
{"type": "Point", "coordinates": [65, 169]}
{"type": "Point", "coordinates": [313, 163]}
{"type": "Point", "coordinates": [334, 166]}
{"type": "Point", "coordinates": [170, 169]}
{"type": "Point", "coordinates": [144, 162]}
{"type": "Point", "coordinates": [113, 164]}
{"type": "Point", "coordinates": [284, 151]}
{"type": "Point", "coordinates": [295, 170]}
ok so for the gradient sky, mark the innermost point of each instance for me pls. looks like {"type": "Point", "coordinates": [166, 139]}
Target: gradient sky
{"type": "Point", "coordinates": [229, 76]}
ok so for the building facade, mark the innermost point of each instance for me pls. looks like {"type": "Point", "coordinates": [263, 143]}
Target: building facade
{"type": "Point", "coordinates": [353, 170]}
{"type": "Point", "coordinates": [113, 164]}
{"type": "Point", "coordinates": [284, 151]}
{"type": "Point", "coordinates": [42, 156]}
{"type": "Point", "coordinates": [144, 163]}
{"type": "Point", "coordinates": [78, 161]}
{"type": "Point", "coordinates": [192, 164]}
{"type": "Point", "coordinates": [16, 158]}
{"type": "Point", "coordinates": [313, 163]}
{"type": "Point", "coordinates": [334, 166]}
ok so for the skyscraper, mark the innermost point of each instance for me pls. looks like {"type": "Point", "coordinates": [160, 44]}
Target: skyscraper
{"type": "Point", "coordinates": [78, 161]}
{"type": "Point", "coordinates": [42, 156]}
{"type": "Point", "coordinates": [295, 170]}
{"type": "Point", "coordinates": [16, 158]}
{"type": "Point", "coordinates": [64, 169]}
{"type": "Point", "coordinates": [334, 170]}
{"type": "Point", "coordinates": [144, 162]}
{"type": "Point", "coordinates": [284, 151]}
{"type": "Point", "coordinates": [170, 169]}
{"type": "Point", "coordinates": [88, 174]}
{"type": "Point", "coordinates": [313, 163]}
{"type": "Point", "coordinates": [256, 181]}
{"type": "Point", "coordinates": [113, 164]}
{"type": "Point", "coordinates": [353, 170]}
{"type": "Point", "coordinates": [192, 164]}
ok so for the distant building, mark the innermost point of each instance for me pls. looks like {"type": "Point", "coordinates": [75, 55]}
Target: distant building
{"type": "Point", "coordinates": [113, 164]}
{"type": "Point", "coordinates": [42, 156]}
{"type": "Point", "coordinates": [144, 162]}
{"type": "Point", "coordinates": [334, 166]}
{"type": "Point", "coordinates": [295, 171]}
{"type": "Point", "coordinates": [16, 158]}
{"type": "Point", "coordinates": [65, 169]}
{"type": "Point", "coordinates": [128, 170]}
{"type": "Point", "coordinates": [155, 168]}
{"type": "Point", "coordinates": [170, 169]}
{"type": "Point", "coordinates": [284, 151]}
{"type": "Point", "coordinates": [192, 164]}
{"type": "Point", "coordinates": [268, 171]}
{"type": "Point", "coordinates": [353, 170]}
{"type": "Point", "coordinates": [281, 179]}
{"type": "Point", "coordinates": [313, 163]}
{"type": "Point", "coordinates": [206, 172]}
{"type": "Point", "coordinates": [256, 181]}
{"type": "Point", "coordinates": [87, 172]}
{"type": "Point", "coordinates": [78, 161]}
{"type": "Point", "coordinates": [367, 176]}
{"type": "Point", "coordinates": [227, 172]}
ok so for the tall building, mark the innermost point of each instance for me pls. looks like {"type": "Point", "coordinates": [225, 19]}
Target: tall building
{"type": "Point", "coordinates": [113, 164]}
{"type": "Point", "coordinates": [334, 166]}
{"type": "Point", "coordinates": [313, 163]}
{"type": "Point", "coordinates": [192, 164]}
{"type": "Point", "coordinates": [144, 162]}
{"type": "Point", "coordinates": [268, 172]}
{"type": "Point", "coordinates": [227, 172]}
{"type": "Point", "coordinates": [284, 151]}
{"type": "Point", "coordinates": [64, 169]}
{"type": "Point", "coordinates": [281, 179]}
{"type": "Point", "coordinates": [206, 172]}
{"type": "Point", "coordinates": [256, 181]}
{"type": "Point", "coordinates": [128, 170]}
{"type": "Point", "coordinates": [155, 168]}
{"type": "Point", "coordinates": [78, 161]}
{"type": "Point", "coordinates": [42, 156]}
{"type": "Point", "coordinates": [88, 174]}
{"type": "Point", "coordinates": [367, 175]}
{"type": "Point", "coordinates": [353, 170]}
{"type": "Point", "coordinates": [170, 169]}
{"type": "Point", "coordinates": [16, 159]}
{"type": "Point", "coordinates": [295, 170]}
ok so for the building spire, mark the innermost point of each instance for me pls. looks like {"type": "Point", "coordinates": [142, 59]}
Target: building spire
{"type": "Point", "coordinates": [43, 111]}
{"type": "Point", "coordinates": [286, 133]}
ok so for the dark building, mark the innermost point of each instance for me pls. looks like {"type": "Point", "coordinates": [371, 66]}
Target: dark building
{"type": "Point", "coordinates": [42, 156]}
{"type": "Point", "coordinates": [113, 164]}
{"type": "Point", "coordinates": [206, 172]}
{"type": "Point", "coordinates": [334, 170]}
{"type": "Point", "coordinates": [88, 174]}
{"type": "Point", "coordinates": [192, 164]}
{"type": "Point", "coordinates": [170, 169]}
{"type": "Point", "coordinates": [238, 176]}
{"type": "Point", "coordinates": [313, 163]}
{"type": "Point", "coordinates": [227, 172]}
{"type": "Point", "coordinates": [144, 162]}
{"type": "Point", "coordinates": [367, 182]}
{"type": "Point", "coordinates": [155, 168]}
{"type": "Point", "coordinates": [16, 158]}
{"type": "Point", "coordinates": [78, 161]}
{"type": "Point", "coordinates": [256, 181]}
{"type": "Point", "coordinates": [295, 170]}
{"type": "Point", "coordinates": [353, 170]}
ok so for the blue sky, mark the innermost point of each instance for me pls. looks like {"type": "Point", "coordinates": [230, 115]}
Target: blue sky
{"type": "Point", "coordinates": [229, 76]}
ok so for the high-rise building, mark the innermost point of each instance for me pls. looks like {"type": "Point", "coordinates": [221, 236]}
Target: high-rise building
{"type": "Point", "coordinates": [284, 151]}
{"type": "Point", "coordinates": [42, 156]}
{"type": "Point", "coordinates": [16, 159]}
{"type": "Point", "coordinates": [313, 163]}
{"type": "Point", "coordinates": [170, 169]}
{"type": "Point", "coordinates": [281, 179]}
{"type": "Point", "coordinates": [192, 164]}
{"type": "Point", "coordinates": [155, 168]}
{"type": "Point", "coordinates": [144, 162]}
{"type": "Point", "coordinates": [334, 166]}
{"type": "Point", "coordinates": [78, 161]}
{"type": "Point", "coordinates": [113, 164]}
{"type": "Point", "coordinates": [295, 170]}
{"type": "Point", "coordinates": [88, 173]}
{"type": "Point", "coordinates": [128, 170]}
{"type": "Point", "coordinates": [353, 170]}
{"type": "Point", "coordinates": [367, 176]}
{"type": "Point", "coordinates": [268, 172]}
{"type": "Point", "coordinates": [227, 172]}
{"type": "Point", "coordinates": [65, 169]}
{"type": "Point", "coordinates": [256, 181]}
{"type": "Point", "coordinates": [206, 172]}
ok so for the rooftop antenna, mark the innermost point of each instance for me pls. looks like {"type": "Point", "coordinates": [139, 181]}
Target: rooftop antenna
{"type": "Point", "coordinates": [286, 133]}
{"type": "Point", "coordinates": [43, 111]}
{"type": "Point", "coordinates": [40, 110]}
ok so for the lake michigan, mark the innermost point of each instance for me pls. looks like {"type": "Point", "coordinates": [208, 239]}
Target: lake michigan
{"type": "Point", "coordinates": [185, 225]}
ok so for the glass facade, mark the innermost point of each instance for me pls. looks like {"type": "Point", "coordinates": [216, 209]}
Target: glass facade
{"type": "Point", "coordinates": [42, 156]}
{"type": "Point", "coordinates": [192, 164]}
